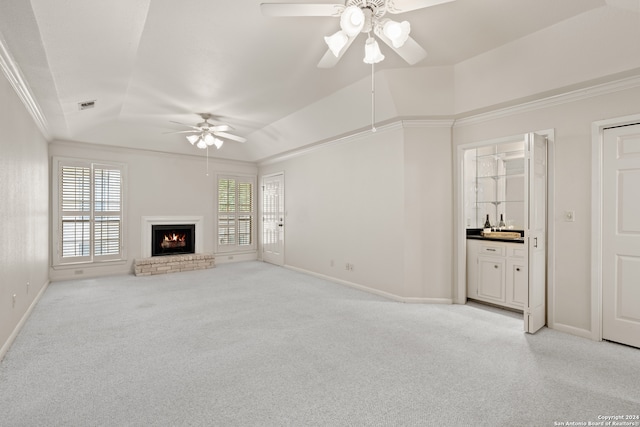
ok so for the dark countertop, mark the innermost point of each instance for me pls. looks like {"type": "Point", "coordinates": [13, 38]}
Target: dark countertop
{"type": "Point", "coordinates": [476, 234]}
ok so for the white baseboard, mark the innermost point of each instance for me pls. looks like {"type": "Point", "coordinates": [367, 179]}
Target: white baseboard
{"type": "Point", "coordinates": [23, 320]}
{"type": "Point", "coordinates": [584, 333]}
{"type": "Point", "coordinates": [411, 300]}
{"type": "Point", "coordinates": [226, 258]}
{"type": "Point", "coordinates": [384, 294]}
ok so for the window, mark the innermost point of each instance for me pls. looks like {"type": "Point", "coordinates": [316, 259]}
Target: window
{"type": "Point", "coordinates": [236, 214]}
{"type": "Point", "coordinates": [89, 211]}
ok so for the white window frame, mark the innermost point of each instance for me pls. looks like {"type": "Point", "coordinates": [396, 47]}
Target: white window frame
{"type": "Point", "coordinates": [58, 213]}
{"type": "Point", "coordinates": [227, 248]}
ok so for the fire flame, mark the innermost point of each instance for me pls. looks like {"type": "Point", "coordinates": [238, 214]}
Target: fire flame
{"type": "Point", "coordinates": [175, 237]}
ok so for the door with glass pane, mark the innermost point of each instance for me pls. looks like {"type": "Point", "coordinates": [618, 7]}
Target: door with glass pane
{"type": "Point", "coordinates": [273, 219]}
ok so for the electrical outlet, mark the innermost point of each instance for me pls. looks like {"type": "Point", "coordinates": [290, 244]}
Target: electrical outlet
{"type": "Point", "coordinates": [14, 300]}
{"type": "Point", "coordinates": [28, 287]}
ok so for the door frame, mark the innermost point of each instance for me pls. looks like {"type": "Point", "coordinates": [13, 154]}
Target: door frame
{"type": "Point", "coordinates": [460, 244]}
{"type": "Point", "coordinates": [597, 141]}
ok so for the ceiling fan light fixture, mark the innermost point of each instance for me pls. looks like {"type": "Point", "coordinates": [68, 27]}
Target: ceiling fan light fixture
{"type": "Point", "coordinates": [397, 32]}
{"type": "Point", "coordinates": [217, 142]}
{"type": "Point", "coordinates": [337, 42]}
{"type": "Point", "coordinates": [372, 54]}
{"type": "Point", "coordinates": [193, 138]}
{"type": "Point", "coordinates": [352, 20]}
{"type": "Point", "coordinates": [201, 144]}
{"type": "Point", "coordinates": [208, 138]}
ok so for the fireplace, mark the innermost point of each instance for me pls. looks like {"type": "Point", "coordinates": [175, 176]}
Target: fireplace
{"type": "Point", "coordinates": [173, 239]}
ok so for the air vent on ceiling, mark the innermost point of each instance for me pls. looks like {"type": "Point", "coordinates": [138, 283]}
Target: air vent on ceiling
{"type": "Point", "coordinates": [86, 105]}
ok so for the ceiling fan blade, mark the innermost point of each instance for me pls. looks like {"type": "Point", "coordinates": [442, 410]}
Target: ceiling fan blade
{"type": "Point", "coordinates": [329, 60]}
{"type": "Point", "coordinates": [402, 6]}
{"type": "Point", "coordinates": [184, 124]}
{"type": "Point", "coordinates": [291, 9]}
{"type": "Point", "coordinates": [220, 128]}
{"type": "Point", "coordinates": [410, 51]}
{"type": "Point", "coordinates": [181, 131]}
{"type": "Point", "coordinates": [230, 136]}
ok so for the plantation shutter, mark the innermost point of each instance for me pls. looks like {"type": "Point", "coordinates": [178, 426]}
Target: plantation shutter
{"type": "Point", "coordinates": [235, 213]}
{"type": "Point", "coordinates": [245, 213]}
{"type": "Point", "coordinates": [75, 205]}
{"type": "Point", "coordinates": [107, 211]}
{"type": "Point", "coordinates": [89, 212]}
{"type": "Point", "coordinates": [226, 212]}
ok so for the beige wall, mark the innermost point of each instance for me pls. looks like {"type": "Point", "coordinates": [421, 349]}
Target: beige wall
{"type": "Point", "coordinates": [428, 212]}
{"type": "Point", "coordinates": [157, 184]}
{"type": "Point", "coordinates": [380, 201]}
{"type": "Point", "coordinates": [24, 212]}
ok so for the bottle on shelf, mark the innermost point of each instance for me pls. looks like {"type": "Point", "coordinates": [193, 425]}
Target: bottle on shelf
{"type": "Point", "coordinates": [501, 224]}
{"type": "Point", "coordinates": [487, 225]}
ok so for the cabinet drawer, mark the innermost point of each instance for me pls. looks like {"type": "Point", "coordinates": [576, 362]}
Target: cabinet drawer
{"type": "Point", "coordinates": [517, 251]}
{"type": "Point", "coordinates": [492, 250]}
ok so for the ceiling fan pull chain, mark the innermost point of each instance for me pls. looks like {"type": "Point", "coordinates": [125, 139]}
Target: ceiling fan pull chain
{"type": "Point", "coordinates": [373, 99]}
{"type": "Point", "coordinates": [207, 160]}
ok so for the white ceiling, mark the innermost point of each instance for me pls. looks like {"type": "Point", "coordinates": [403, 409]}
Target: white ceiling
{"type": "Point", "coordinates": [147, 63]}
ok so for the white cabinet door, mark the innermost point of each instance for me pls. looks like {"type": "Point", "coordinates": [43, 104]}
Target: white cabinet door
{"type": "Point", "coordinates": [491, 279]}
{"type": "Point", "coordinates": [516, 283]}
{"type": "Point", "coordinates": [621, 235]}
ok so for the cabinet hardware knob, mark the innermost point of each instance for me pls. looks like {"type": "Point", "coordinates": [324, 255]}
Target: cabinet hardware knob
{"type": "Point", "coordinates": [495, 266]}
{"type": "Point", "coordinates": [517, 269]}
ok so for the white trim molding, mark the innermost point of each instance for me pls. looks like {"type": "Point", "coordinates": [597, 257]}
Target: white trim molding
{"type": "Point", "coordinates": [384, 294]}
{"type": "Point", "coordinates": [5, 347]}
{"type": "Point", "coordinates": [148, 221]}
{"type": "Point", "coordinates": [550, 101]}
{"type": "Point", "coordinates": [14, 76]}
{"type": "Point", "coordinates": [352, 136]}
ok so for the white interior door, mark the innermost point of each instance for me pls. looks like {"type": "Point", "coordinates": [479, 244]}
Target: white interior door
{"type": "Point", "coordinates": [536, 308]}
{"type": "Point", "coordinates": [273, 219]}
{"type": "Point", "coordinates": [621, 235]}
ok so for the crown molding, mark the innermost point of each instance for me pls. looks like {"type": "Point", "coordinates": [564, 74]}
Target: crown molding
{"type": "Point", "coordinates": [360, 133]}
{"type": "Point", "coordinates": [20, 86]}
{"type": "Point", "coordinates": [120, 150]}
{"type": "Point", "coordinates": [551, 101]}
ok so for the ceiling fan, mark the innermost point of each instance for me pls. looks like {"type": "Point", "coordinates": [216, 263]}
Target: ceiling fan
{"type": "Point", "coordinates": [205, 134]}
{"type": "Point", "coordinates": [361, 16]}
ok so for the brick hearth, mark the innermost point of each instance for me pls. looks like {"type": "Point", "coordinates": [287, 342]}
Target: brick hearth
{"type": "Point", "coordinates": [173, 264]}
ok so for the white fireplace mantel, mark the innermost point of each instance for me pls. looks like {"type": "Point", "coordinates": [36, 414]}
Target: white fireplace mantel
{"type": "Point", "coordinates": [148, 221]}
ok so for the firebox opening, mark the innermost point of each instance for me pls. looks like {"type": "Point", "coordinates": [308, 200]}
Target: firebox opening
{"type": "Point", "coordinates": [173, 239]}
